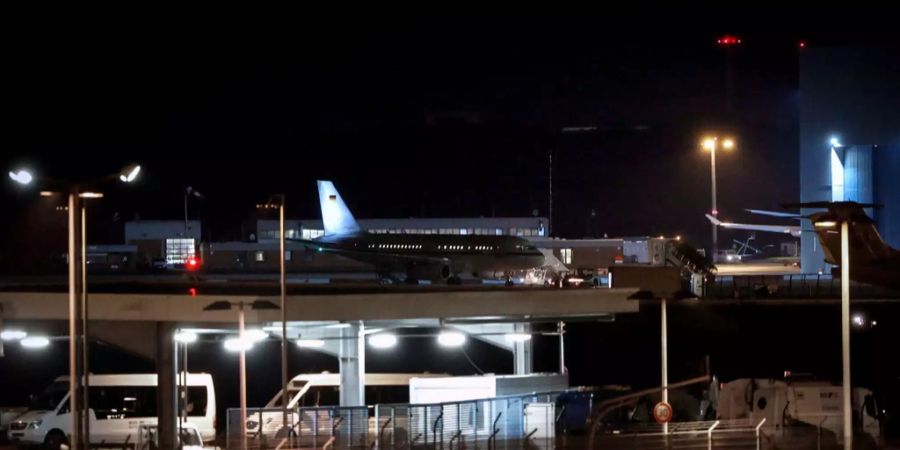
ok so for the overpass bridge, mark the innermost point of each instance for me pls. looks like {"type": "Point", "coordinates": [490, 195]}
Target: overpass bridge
{"type": "Point", "coordinates": [141, 314]}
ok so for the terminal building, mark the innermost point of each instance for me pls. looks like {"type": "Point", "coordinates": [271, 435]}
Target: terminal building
{"type": "Point", "coordinates": [174, 242]}
{"type": "Point", "coordinates": [850, 137]}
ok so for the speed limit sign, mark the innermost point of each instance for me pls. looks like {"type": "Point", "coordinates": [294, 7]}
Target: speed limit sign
{"type": "Point", "coordinates": [662, 412]}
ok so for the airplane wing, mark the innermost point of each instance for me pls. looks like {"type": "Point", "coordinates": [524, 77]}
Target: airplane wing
{"type": "Point", "coordinates": [793, 230]}
{"type": "Point", "coordinates": [764, 212]}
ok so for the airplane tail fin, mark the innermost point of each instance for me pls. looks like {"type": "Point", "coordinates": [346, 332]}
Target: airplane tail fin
{"type": "Point", "coordinates": [336, 217]}
{"type": "Point", "coordinates": [867, 242]}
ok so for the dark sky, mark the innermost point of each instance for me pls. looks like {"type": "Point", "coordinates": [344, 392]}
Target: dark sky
{"type": "Point", "coordinates": [430, 118]}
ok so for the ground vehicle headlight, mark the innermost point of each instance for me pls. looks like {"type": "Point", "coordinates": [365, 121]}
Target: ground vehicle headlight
{"type": "Point", "coordinates": [35, 424]}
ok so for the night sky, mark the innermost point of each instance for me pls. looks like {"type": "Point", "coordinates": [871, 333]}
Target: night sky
{"type": "Point", "coordinates": [426, 118]}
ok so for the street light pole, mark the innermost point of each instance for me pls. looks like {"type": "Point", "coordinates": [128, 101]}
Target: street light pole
{"type": "Point", "coordinates": [711, 144]}
{"type": "Point", "coordinates": [75, 289]}
{"type": "Point", "coordinates": [845, 332]}
{"type": "Point", "coordinates": [284, 356]}
{"type": "Point", "coordinates": [85, 343]}
{"type": "Point", "coordinates": [243, 376]}
{"type": "Point", "coordinates": [715, 209]}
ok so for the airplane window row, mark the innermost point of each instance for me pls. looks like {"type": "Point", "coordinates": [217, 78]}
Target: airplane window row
{"type": "Point", "coordinates": [460, 231]}
{"type": "Point", "coordinates": [397, 246]}
{"type": "Point", "coordinates": [467, 247]}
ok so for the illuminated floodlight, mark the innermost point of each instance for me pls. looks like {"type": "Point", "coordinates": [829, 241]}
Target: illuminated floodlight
{"type": "Point", "coordinates": [709, 144]}
{"type": "Point", "coordinates": [383, 340]}
{"type": "Point", "coordinates": [310, 343]}
{"type": "Point", "coordinates": [834, 141]}
{"type": "Point", "coordinates": [130, 174]}
{"type": "Point", "coordinates": [825, 224]}
{"type": "Point", "coordinates": [13, 335]}
{"type": "Point", "coordinates": [728, 144]}
{"type": "Point", "coordinates": [859, 320]}
{"type": "Point", "coordinates": [35, 342]}
{"type": "Point", "coordinates": [236, 344]}
{"type": "Point", "coordinates": [517, 337]}
{"type": "Point", "coordinates": [21, 177]}
{"type": "Point", "coordinates": [186, 337]}
{"type": "Point", "coordinates": [255, 335]}
{"type": "Point", "coordinates": [451, 339]}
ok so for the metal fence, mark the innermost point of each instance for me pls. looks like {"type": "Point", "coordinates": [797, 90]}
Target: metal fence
{"type": "Point", "coordinates": [332, 426]}
{"type": "Point", "coordinates": [465, 424]}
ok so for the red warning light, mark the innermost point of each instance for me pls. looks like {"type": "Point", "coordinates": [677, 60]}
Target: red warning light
{"type": "Point", "coordinates": [192, 263]}
{"type": "Point", "coordinates": [802, 44]}
{"type": "Point", "coordinates": [728, 40]}
{"type": "Point", "coordinates": [192, 292]}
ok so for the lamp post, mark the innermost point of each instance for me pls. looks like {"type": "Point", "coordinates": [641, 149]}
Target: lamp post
{"type": "Point", "coordinates": [711, 144]}
{"type": "Point", "coordinates": [830, 222]}
{"type": "Point", "coordinates": [243, 344]}
{"type": "Point", "coordinates": [184, 338]}
{"type": "Point", "coordinates": [77, 263]}
{"type": "Point", "coordinates": [845, 333]}
{"type": "Point", "coordinates": [283, 292]}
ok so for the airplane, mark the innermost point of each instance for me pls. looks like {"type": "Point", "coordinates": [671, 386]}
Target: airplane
{"type": "Point", "coordinates": [430, 257]}
{"type": "Point", "coordinates": [873, 261]}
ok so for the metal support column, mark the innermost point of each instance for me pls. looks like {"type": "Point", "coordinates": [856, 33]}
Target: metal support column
{"type": "Point", "coordinates": [353, 365]}
{"type": "Point", "coordinates": [561, 329]}
{"type": "Point", "coordinates": [167, 392]}
{"type": "Point", "coordinates": [522, 351]}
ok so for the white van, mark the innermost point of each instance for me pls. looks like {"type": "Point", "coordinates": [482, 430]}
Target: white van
{"type": "Point", "coordinates": [119, 405]}
{"type": "Point", "coordinates": [323, 389]}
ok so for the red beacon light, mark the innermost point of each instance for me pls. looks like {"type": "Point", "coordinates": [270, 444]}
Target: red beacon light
{"type": "Point", "coordinates": [192, 263]}
{"type": "Point", "coordinates": [728, 40]}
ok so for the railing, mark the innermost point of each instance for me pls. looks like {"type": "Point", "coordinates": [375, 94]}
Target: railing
{"type": "Point", "coordinates": [340, 427]}
{"type": "Point", "coordinates": [725, 434]}
{"type": "Point", "coordinates": [790, 286]}
{"type": "Point", "coordinates": [466, 424]}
